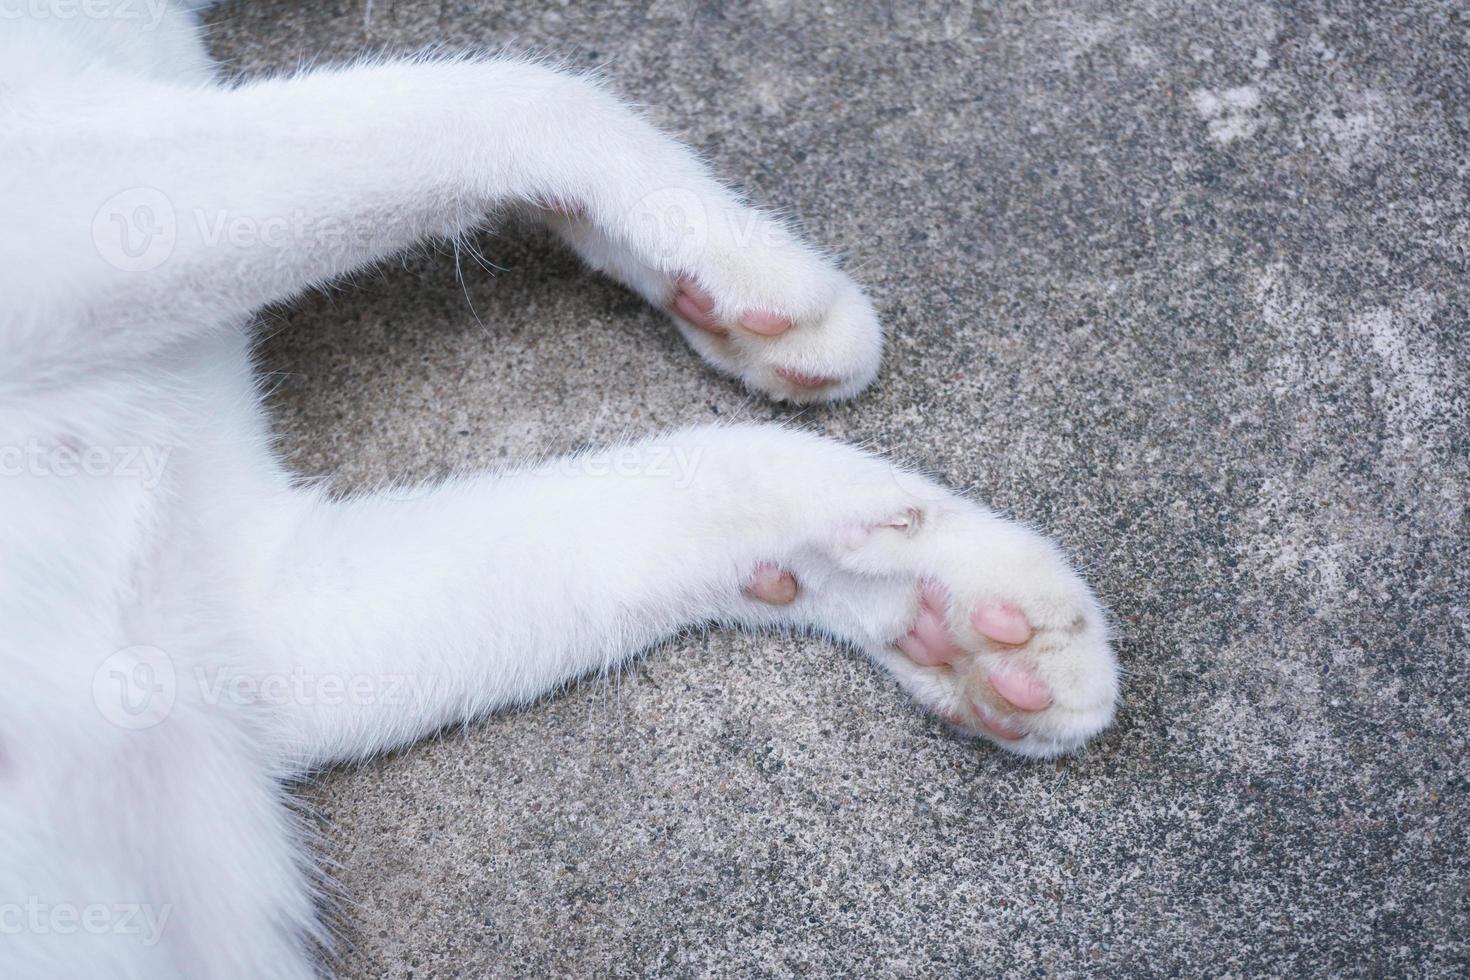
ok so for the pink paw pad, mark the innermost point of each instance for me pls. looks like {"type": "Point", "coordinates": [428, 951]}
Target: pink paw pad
{"type": "Point", "coordinates": [765, 323]}
{"type": "Point", "coordinates": [801, 379]}
{"type": "Point", "coordinates": [1020, 688]}
{"type": "Point", "coordinates": [773, 584]}
{"type": "Point", "coordinates": [1001, 622]}
{"type": "Point", "coordinates": [928, 642]}
{"type": "Point", "coordinates": [697, 307]}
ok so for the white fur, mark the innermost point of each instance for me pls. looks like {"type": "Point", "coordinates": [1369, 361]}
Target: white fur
{"type": "Point", "coordinates": [185, 626]}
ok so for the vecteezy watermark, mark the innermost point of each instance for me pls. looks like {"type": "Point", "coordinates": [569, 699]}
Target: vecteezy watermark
{"type": "Point", "coordinates": [138, 687]}
{"type": "Point", "coordinates": [649, 460]}
{"type": "Point", "coordinates": [299, 686]}
{"type": "Point", "coordinates": [675, 464]}
{"type": "Point", "coordinates": [135, 687]}
{"type": "Point", "coordinates": [144, 464]}
{"type": "Point", "coordinates": [672, 223]}
{"type": "Point", "coordinates": [94, 918]}
{"type": "Point", "coordinates": [678, 224]}
{"type": "Point", "coordinates": [138, 229]}
{"type": "Point", "coordinates": [147, 11]}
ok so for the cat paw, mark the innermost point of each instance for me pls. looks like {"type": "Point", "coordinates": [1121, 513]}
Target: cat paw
{"type": "Point", "coordinates": [784, 321]}
{"type": "Point", "coordinates": [981, 620]}
{"type": "Point", "coordinates": [987, 669]}
{"type": "Point", "coordinates": [1006, 642]}
{"type": "Point", "coordinates": [751, 298]}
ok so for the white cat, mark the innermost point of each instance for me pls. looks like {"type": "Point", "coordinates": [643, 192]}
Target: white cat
{"type": "Point", "coordinates": [185, 627]}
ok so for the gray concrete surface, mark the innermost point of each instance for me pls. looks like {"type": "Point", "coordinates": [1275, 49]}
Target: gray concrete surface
{"type": "Point", "coordinates": [1184, 284]}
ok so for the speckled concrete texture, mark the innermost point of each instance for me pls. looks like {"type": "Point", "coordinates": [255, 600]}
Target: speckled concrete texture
{"type": "Point", "coordinates": [1184, 285]}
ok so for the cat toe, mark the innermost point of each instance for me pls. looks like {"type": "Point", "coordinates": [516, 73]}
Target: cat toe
{"type": "Point", "coordinates": [928, 642]}
{"type": "Point", "coordinates": [802, 379]}
{"type": "Point", "coordinates": [765, 323]}
{"type": "Point", "coordinates": [697, 307]}
{"type": "Point", "coordinates": [1001, 623]}
{"type": "Point", "coordinates": [1020, 688]}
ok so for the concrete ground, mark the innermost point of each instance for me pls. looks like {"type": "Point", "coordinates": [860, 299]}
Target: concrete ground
{"type": "Point", "coordinates": [1183, 284]}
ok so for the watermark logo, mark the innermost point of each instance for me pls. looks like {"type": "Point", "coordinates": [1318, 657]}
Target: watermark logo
{"type": "Point", "coordinates": [674, 464]}
{"type": "Point", "coordinates": [40, 918]}
{"type": "Point", "coordinates": [136, 230]}
{"type": "Point", "coordinates": [669, 463]}
{"type": "Point", "coordinates": [148, 11]}
{"type": "Point", "coordinates": [136, 687]}
{"type": "Point", "coordinates": [140, 229]}
{"type": "Point", "coordinates": [673, 224]}
{"type": "Point", "coordinates": [677, 225]}
{"type": "Point", "coordinates": [303, 687]}
{"type": "Point", "coordinates": [145, 464]}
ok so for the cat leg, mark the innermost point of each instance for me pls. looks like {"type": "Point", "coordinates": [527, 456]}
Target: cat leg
{"type": "Point", "coordinates": [146, 833]}
{"type": "Point", "coordinates": [388, 618]}
{"type": "Point", "coordinates": [172, 210]}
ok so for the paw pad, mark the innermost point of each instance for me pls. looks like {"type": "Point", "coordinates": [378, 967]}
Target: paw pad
{"type": "Point", "coordinates": [765, 323]}
{"type": "Point", "coordinates": [801, 379]}
{"type": "Point", "coordinates": [773, 584]}
{"type": "Point", "coordinates": [1020, 688]}
{"type": "Point", "coordinates": [998, 696]}
{"type": "Point", "coordinates": [1001, 623]}
{"type": "Point", "coordinates": [928, 642]}
{"type": "Point", "coordinates": [695, 305]}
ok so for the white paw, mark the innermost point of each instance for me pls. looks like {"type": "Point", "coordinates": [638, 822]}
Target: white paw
{"type": "Point", "coordinates": [996, 633]}
{"type": "Point", "coordinates": [752, 299]}
{"type": "Point", "coordinates": [782, 319]}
